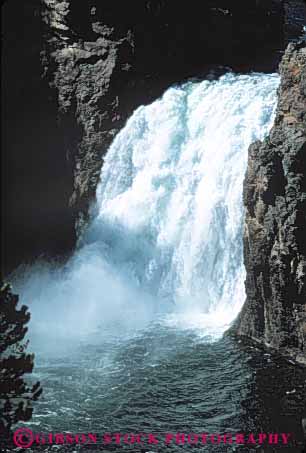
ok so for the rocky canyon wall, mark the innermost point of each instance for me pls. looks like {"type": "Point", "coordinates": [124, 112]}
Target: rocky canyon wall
{"type": "Point", "coordinates": [275, 226]}
{"type": "Point", "coordinates": [73, 71]}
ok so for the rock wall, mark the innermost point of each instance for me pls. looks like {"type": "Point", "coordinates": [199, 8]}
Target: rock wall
{"type": "Point", "coordinates": [275, 225]}
{"type": "Point", "coordinates": [37, 177]}
{"type": "Point", "coordinates": [75, 70]}
{"type": "Point", "coordinates": [106, 59]}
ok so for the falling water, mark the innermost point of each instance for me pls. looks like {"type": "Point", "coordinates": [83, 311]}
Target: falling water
{"type": "Point", "coordinates": [125, 333]}
{"type": "Point", "coordinates": [166, 234]}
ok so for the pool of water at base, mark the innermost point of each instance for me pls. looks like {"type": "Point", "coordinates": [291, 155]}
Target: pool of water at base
{"type": "Point", "coordinates": [168, 380]}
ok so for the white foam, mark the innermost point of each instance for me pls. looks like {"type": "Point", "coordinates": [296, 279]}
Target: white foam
{"type": "Point", "coordinates": [168, 230]}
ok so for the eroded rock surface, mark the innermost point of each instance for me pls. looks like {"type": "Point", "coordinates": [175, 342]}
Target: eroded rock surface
{"type": "Point", "coordinates": [275, 225]}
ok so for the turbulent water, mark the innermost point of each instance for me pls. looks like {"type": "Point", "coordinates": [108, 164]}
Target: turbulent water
{"type": "Point", "coordinates": [124, 331]}
{"type": "Point", "coordinates": [166, 234]}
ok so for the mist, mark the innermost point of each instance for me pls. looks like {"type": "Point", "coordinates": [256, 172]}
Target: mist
{"type": "Point", "coordinates": [165, 240]}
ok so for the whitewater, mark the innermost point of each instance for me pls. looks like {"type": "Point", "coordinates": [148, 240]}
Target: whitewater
{"type": "Point", "coordinates": [128, 334]}
{"type": "Point", "coordinates": [165, 238]}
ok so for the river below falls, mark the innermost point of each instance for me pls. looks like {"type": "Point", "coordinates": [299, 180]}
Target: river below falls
{"type": "Point", "coordinates": [163, 380]}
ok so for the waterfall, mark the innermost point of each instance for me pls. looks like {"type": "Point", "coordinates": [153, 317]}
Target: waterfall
{"type": "Point", "coordinates": [166, 233]}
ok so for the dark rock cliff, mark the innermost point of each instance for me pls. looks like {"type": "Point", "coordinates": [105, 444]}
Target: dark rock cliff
{"type": "Point", "coordinates": [107, 58]}
{"type": "Point", "coordinates": [75, 70]}
{"type": "Point", "coordinates": [275, 226]}
{"type": "Point", "coordinates": [36, 177]}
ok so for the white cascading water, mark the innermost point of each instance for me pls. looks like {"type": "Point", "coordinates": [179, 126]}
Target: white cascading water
{"type": "Point", "coordinates": [167, 229]}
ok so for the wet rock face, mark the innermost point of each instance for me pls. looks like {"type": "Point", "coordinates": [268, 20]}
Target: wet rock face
{"type": "Point", "coordinates": [275, 224]}
{"type": "Point", "coordinates": [75, 71]}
